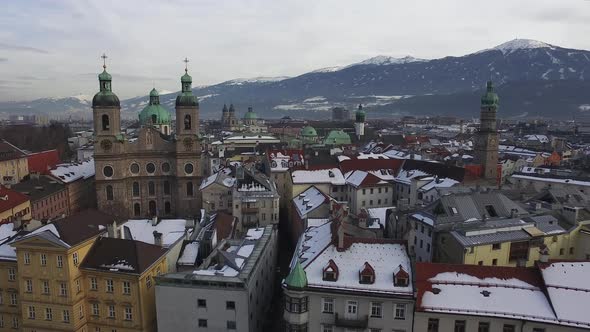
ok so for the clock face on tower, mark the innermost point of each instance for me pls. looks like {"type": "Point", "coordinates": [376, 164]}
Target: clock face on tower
{"type": "Point", "coordinates": [188, 143]}
{"type": "Point", "coordinates": [106, 144]}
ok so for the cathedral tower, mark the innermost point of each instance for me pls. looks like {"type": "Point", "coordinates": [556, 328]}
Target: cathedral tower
{"type": "Point", "coordinates": [188, 149]}
{"type": "Point", "coordinates": [486, 149]}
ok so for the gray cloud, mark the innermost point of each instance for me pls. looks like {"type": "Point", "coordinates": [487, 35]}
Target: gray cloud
{"type": "Point", "coordinates": [9, 47]}
{"type": "Point", "coordinates": [3, 59]}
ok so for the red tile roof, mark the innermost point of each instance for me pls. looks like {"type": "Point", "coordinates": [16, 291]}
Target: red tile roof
{"type": "Point", "coordinates": [10, 199]}
{"type": "Point", "coordinates": [42, 162]}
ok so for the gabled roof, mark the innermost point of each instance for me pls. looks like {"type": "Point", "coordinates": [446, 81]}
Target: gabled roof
{"type": "Point", "coordinates": [10, 199]}
{"type": "Point", "coordinates": [121, 255]}
{"type": "Point", "coordinates": [309, 200]}
{"type": "Point", "coordinates": [325, 175]}
{"type": "Point", "coordinates": [9, 151]}
{"type": "Point", "coordinates": [363, 179]}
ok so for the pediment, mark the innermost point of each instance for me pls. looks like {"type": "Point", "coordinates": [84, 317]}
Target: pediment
{"type": "Point", "coordinates": [39, 241]}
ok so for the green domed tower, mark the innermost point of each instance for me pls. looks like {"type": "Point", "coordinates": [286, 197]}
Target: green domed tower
{"type": "Point", "coordinates": [308, 135]}
{"type": "Point", "coordinates": [250, 118]}
{"type": "Point", "coordinates": [359, 123]}
{"type": "Point", "coordinates": [155, 115]}
{"type": "Point", "coordinates": [486, 148]}
{"type": "Point", "coordinates": [106, 108]}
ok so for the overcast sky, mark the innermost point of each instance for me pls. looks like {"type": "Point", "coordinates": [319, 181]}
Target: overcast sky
{"type": "Point", "coordinates": [52, 48]}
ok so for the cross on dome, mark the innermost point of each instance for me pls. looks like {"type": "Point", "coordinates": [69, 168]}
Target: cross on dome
{"type": "Point", "coordinates": [104, 60]}
{"type": "Point", "coordinates": [185, 64]}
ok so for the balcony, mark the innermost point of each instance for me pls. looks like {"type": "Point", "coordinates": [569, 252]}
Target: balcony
{"type": "Point", "coordinates": [249, 210]}
{"type": "Point", "coordinates": [359, 323]}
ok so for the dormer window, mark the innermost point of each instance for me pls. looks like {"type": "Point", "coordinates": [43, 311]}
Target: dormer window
{"type": "Point", "coordinates": [330, 272]}
{"type": "Point", "coordinates": [401, 278]}
{"type": "Point", "coordinates": [367, 274]}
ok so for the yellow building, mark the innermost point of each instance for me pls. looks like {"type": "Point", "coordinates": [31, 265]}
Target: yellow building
{"type": "Point", "coordinates": [13, 206]}
{"type": "Point", "coordinates": [14, 165]}
{"type": "Point", "coordinates": [56, 292]}
{"type": "Point", "coordinates": [510, 242]}
{"type": "Point", "coordinates": [9, 285]}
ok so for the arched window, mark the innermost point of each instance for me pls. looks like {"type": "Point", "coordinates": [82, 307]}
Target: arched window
{"type": "Point", "coordinates": [135, 189]}
{"type": "Point", "coordinates": [151, 188]}
{"type": "Point", "coordinates": [166, 187]}
{"type": "Point", "coordinates": [136, 210]}
{"type": "Point", "coordinates": [167, 208]}
{"type": "Point", "coordinates": [187, 122]}
{"type": "Point", "coordinates": [189, 188]}
{"type": "Point", "coordinates": [109, 193]}
{"type": "Point", "coordinates": [165, 130]}
{"type": "Point", "coordinates": [105, 122]}
{"type": "Point", "coordinates": [152, 206]}
{"type": "Point", "coordinates": [154, 119]}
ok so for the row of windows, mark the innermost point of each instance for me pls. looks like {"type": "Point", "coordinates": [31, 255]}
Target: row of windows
{"type": "Point", "coordinates": [43, 259]}
{"type": "Point", "coordinates": [230, 324]}
{"type": "Point", "coordinates": [229, 305]}
{"type": "Point", "coordinates": [460, 326]}
{"type": "Point", "coordinates": [364, 203]}
{"type": "Point", "coordinates": [150, 168]}
{"type": "Point", "coordinates": [13, 298]}
{"type": "Point", "coordinates": [46, 287]}
{"type": "Point", "coordinates": [48, 314]}
{"type": "Point", "coordinates": [376, 308]}
{"type": "Point", "coordinates": [110, 286]}
{"type": "Point", "coordinates": [14, 322]}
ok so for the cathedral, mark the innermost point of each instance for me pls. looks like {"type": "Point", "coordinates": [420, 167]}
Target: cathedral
{"type": "Point", "coordinates": [157, 173]}
{"type": "Point", "coordinates": [486, 144]}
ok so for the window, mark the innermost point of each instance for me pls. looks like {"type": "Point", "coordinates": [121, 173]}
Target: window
{"type": "Point", "coordinates": [31, 312]}
{"type": "Point", "coordinates": [150, 168]}
{"type": "Point", "coordinates": [189, 189]}
{"type": "Point", "coordinates": [432, 324]}
{"type": "Point", "coordinates": [202, 303]}
{"type": "Point", "coordinates": [93, 283]}
{"type": "Point", "coordinates": [231, 325]}
{"type": "Point", "coordinates": [496, 246]}
{"type": "Point", "coordinates": [328, 305]}
{"type": "Point", "coordinates": [428, 247]}
{"type": "Point", "coordinates": [110, 286]}
{"type": "Point", "coordinates": [136, 209]}
{"type": "Point", "coordinates": [202, 323]}
{"type": "Point", "coordinates": [75, 258]}
{"type": "Point", "coordinates": [295, 304]}
{"type": "Point", "coordinates": [45, 289]}
{"type": "Point", "coordinates": [376, 309]}
{"type": "Point", "coordinates": [151, 188]}
{"type": "Point", "coordinates": [107, 171]}
{"type": "Point", "coordinates": [509, 328]}
{"type": "Point", "coordinates": [11, 274]}
{"type": "Point", "coordinates": [128, 313]}
{"type": "Point", "coordinates": [105, 122]}
{"type": "Point", "coordinates": [483, 327]}
{"type": "Point", "coordinates": [126, 287]}
{"type": "Point", "coordinates": [135, 189]}
{"type": "Point", "coordinates": [165, 167]}
{"type": "Point", "coordinates": [29, 286]}
{"type": "Point", "coordinates": [95, 309]}
{"type": "Point", "coordinates": [27, 257]}
{"type": "Point", "coordinates": [495, 261]}
{"type": "Point", "coordinates": [327, 328]}
{"type": "Point", "coordinates": [14, 322]}
{"type": "Point", "coordinates": [81, 311]}
{"type": "Point", "coordinates": [166, 187]}
{"type": "Point", "coordinates": [13, 299]}
{"type": "Point", "coordinates": [571, 250]}
{"type": "Point", "coordinates": [60, 261]}
{"type": "Point", "coordinates": [66, 316]}
{"type": "Point", "coordinates": [109, 193]}
{"type": "Point", "coordinates": [400, 311]}
{"type": "Point", "coordinates": [63, 289]}
{"type": "Point", "coordinates": [561, 251]}
{"type": "Point", "coordinates": [112, 311]}
{"type": "Point", "coordinates": [230, 305]}
{"type": "Point", "coordinates": [459, 326]}
{"type": "Point", "coordinates": [78, 287]}
{"type": "Point", "coordinates": [134, 168]}
{"type": "Point", "coordinates": [187, 126]}
{"type": "Point", "coordinates": [167, 208]}
{"type": "Point", "coordinates": [351, 307]}
{"type": "Point", "coordinates": [148, 282]}
{"type": "Point", "coordinates": [48, 314]}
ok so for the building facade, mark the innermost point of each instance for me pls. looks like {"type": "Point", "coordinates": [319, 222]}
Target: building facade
{"type": "Point", "coordinates": [49, 197]}
{"type": "Point", "coordinates": [157, 174]}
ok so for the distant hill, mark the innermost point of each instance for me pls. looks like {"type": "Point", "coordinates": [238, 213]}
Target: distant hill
{"type": "Point", "coordinates": [533, 79]}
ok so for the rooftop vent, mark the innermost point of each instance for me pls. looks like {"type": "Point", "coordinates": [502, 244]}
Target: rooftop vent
{"type": "Point", "coordinates": [435, 290]}
{"type": "Point", "coordinates": [485, 293]}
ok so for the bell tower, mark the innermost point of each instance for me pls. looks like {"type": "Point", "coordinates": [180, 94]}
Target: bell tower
{"type": "Point", "coordinates": [188, 149]}
{"type": "Point", "coordinates": [106, 108]}
{"type": "Point", "coordinates": [486, 148]}
{"type": "Point", "coordinates": [359, 122]}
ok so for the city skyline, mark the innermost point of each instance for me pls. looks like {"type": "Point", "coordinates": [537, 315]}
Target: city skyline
{"type": "Point", "coordinates": [53, 49]}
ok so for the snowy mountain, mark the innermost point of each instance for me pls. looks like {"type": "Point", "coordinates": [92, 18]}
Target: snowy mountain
{"type": "Point", "coordinates": [391, 85]}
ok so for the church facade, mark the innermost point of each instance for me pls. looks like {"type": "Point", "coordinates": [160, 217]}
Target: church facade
{"type": "Point", "coordinates": [159, 172]}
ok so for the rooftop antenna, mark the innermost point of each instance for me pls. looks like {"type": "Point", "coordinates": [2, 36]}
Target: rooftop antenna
{"type": "Point", "coordinates": [104, 60]}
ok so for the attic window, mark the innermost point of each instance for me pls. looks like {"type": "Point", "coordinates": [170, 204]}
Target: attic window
{"type": "Point", "coordinates": [401, 277]}
{"type": "Point", "coordinates": [367, 274]}
{"type": "Point", "coordinates": [331, 174]}
{"type": "Point", "coordinates": [491, 211]}
{"type": "Point", "coordinates": [453, 210]}
{"type": "Point", "coordinates": [435, 290]}
{"type": "Point", "coordinates": [330, 272]}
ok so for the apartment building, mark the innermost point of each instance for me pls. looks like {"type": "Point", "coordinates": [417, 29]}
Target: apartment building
{"type": "Point", "coordinates": [13, 206]}
{"type": "Point", "coordinates": [14, 165]}
{"type": "Point", "coordinates": [79, 181]}
{"type": "Point", "coordinates": [48, 196]}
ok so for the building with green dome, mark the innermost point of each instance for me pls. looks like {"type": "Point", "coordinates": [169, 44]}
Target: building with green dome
{"type": "Point", "coordinates": [337, 137]}
{"type": "Point", "coordinates": [251, 122]}
{"type": "Point", "coordinates": [308, 135]}
{"type": "Point", "coordinates": [155, 115]}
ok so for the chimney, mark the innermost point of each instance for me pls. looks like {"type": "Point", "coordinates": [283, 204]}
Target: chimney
{"type": "Point", "coordinates": [154, 220]}
{"type": "Point", "coordinates": [571, 214]}
{"type": "Point", "coordinates": [544, 254]}
{"type": "Point", "coordinates": [340, 235]}
{"type": "Point", "coordinates": [157, 238]}
{"type": "Point", "coordinates": [112, 230]}
{"type": "Point", "coordinates": [513, 213]}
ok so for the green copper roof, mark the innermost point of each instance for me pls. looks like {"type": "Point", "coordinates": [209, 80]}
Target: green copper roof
{"type": "Point", "coordinates": [309, 131]}
{"type": "Point", "coordinates": [186, 78]}
{"type": "Point", "coordinates": [250, 115]}
{"type": "Point", "coordinates": [490, 98]}
{"type": "Point", "coordinates": [154, 93]}
{"type": "Point", "coordinates": [297, 277]}
{"type": "Point", "coordinates": [105, 99]}
{"type": "Point", "coordinates": [360, 115]}
{"type": "Point", "coordinates": [337, 137]}
{"type": "Point", "coordinates": [104, 76]}
{"type": "Point", "coordinates": [154, 115]}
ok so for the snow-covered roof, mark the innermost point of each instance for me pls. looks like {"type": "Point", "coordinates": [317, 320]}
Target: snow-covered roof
{"type": "Point", "coordinates": [568, 290]}
{"type": "Point", "coordinates": [362, 178]}
{"type": "Point", "coordinates": [424, 218]}
{"type": "Point", "coordinates": [406, 176]}
{"type": "Point", "coordinates": [540, 138]}
{"type": "Point", "coordinates": [189, 254]}
{"type": "Point", "coordinates": [74, 171]}
{"type": "Point", "coordinates": [553, 180]}
{"type": "Point", "coordinates": [328, 175]}
{"type": "Point", "coordinates": [223, 177]}
{"type": "Point", "coordinates": [385, 258]}
{"type": "Point", "coordinates": [308, 201]}
{"type": "Point", "coordinates": [379, 214]}
{"type": "Point", "coordinates": [7, 252]}
{"type": "Point", "coordinates": [438, 183]}
{"type": "Point", "coordinates": [254, 233]}
{"type": "Point", "coordinates": [313, 241]}
{"type": "Point", "coordinates": [172, 230]}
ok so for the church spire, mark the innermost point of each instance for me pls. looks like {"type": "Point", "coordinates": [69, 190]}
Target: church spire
{"type": "Point", "coordinates": [490, 99]}
{"type": "Point", "coordinates": [104, 78]}
{"type": "Point", "coordinates": [186, 97]}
